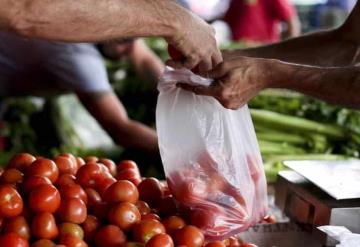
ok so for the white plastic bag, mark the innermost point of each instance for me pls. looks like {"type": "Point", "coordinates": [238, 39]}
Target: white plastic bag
{"type": "Point", "coordinates": [343, 235]}
{"type": "Point", "coordinates": [211, 158]}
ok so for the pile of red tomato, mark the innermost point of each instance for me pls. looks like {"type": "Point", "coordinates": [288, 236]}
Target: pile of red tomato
{"type": "Point", "coordinates": [75, 202]}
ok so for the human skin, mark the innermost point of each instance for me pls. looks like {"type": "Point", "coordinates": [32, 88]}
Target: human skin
{"type": "Point", "coordinates": [94, 20]}
{"type": "Point", "coordinates": [321, 64]}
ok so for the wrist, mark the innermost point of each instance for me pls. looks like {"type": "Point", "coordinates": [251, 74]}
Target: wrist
{"type": "Point", "coordinates": [279, 74]}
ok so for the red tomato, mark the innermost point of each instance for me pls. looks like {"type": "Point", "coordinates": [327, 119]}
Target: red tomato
{"type": "Point", "coordinates": [43, 243]}
{"type": "Point", "coordinates": [32, 182]}
{"type": "Point", "coordinates": [215, 244]}
{"type": "Point", "coordinates": [13, 240]}
{"type": "Point", "coordinates": [204, 218]}
{"type": "Point", "coordinates": [89, 175]}
{"type": "Point", "coordinates": [129, 174]}
{"type": "Point", "coordinates": [127, 164]}
{"type": "Point", "coordinates": [124, 215]}
{"type": "Point", "coordinates": [190, 236]}
{"type": "Point", "coordinates": [167, 206]}
{"type": "Point", "coordinates": [44, 198]}
{"type": "Point", "coordinates": [122, 191]}
{"type": "Point", "coordinates": [190, 190]}
{"type": "Point", "coordinates": [11, 176]}
{"type": "Point", "coordinates": [73, 191]}
{"type": "Point", "coordinates": [143, 207]}
{"type": "Point", "coordinates": [21, 161]}
{"type": "Point", "coordinates": [150, 191]}
{"type": "Point", "coordinates": [90, 227]}
{"type": "Point", "coordinates": [72, 157]}
{"type": "Point", "coordinates": [104, 184]}
{"type": "Point", "coordinates": [101, 210]}
{"type": "Point", "coordinates": [248, 245]}
{"type": "Point", "coordinates": [151, 216]}
{"type": "Point", "coordinates": [132, 244]}
{"type": "Point", "coordinates": [232, 242]}
{"type": "Point", "coordinates": [173, 223]}
{"type": "Point", "coordinates": [44, 226]}
{"type": "Point", "coordinates": [146, 229]}
{"type": "Point", "coordinates": [93, 197]}
{"type": "Point", "coordinates": [72, 229]}
{"type": "Point", "coordinates": [44, 168]}
{"type": "Point", "coordinates": [80, 162]}
{"type": "Point", "coordinates": [19, 226]}
{"type": "Point", "coordinates": [71, 241]}
{"type": "Point", "coordinates": [72, 210]}
{"type": "Point", "coordinates": [11, 204]}
{"type": "Point", "coordinates": [65, 179]}
{"type": "Point", "coordinates": [91, 159]}
{"type": "Point", "coordinates": [162, 240]}
{"type": "Point", "coordinates": [109, 236]}
{"type": "Point", "coordinates": [111, 166]}
{"type": "Point", "coordinates": [270, 219]}
{"type": "Point", "coordinates": [66, 165]}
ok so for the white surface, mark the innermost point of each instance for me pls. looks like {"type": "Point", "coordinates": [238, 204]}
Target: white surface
{"type": "Point", "coordinates": [340, 179]}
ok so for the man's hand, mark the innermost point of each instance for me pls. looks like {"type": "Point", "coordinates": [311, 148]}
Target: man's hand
{"type": "Point", "coordinates": [196, 42]}
{"type": "Point", "coordinates": [237, 81]}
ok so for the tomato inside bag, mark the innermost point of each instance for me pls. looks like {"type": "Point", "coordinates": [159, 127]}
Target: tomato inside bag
{"type": "Point", "coordinates": [211, 158]}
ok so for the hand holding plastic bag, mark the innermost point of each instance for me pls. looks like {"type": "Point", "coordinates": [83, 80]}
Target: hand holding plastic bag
{"type": "Point", "coordinates": [343, 235]}
{"type": "Point", "coordinates": [211, 158]}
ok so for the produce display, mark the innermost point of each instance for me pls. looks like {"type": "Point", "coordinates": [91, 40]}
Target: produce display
{"type": "Point", "coordinates": [75, 202]}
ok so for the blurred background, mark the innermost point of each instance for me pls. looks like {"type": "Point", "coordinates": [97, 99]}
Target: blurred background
{"type": "Point", "coordinates": [304, 129]}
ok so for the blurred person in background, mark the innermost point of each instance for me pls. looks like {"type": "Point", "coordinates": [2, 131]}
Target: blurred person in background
{"type": "Point", "coordinates": [259, 21]}
{"type": "Point", "coordinates": [43, 68]}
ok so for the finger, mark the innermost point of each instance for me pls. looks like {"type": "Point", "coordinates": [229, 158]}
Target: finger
{"type": "Point", "coordinates": [174, 64]}
{"type": "Point", "coordinates": [191, 62]}
{"type": "Point", "coordinates": [219, 71]}
{"type": "Point", "coordinates": [216, 59]}
{"type": "Point", "coordinates": [205, 65]}
{"type": "Point", "coordinates": [199, 90]}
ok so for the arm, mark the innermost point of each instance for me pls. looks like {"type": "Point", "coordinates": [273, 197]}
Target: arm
{"type": "Point", "coordinates": [145, 61]}
{"type": "Point", "coordinates": [94, 20]}
{"type": "Point", "coordinates": [337, 47]}
{"type": "Point", "coordinates": [240, 79]}
{"type": "Point", "coordinates": [111, 114]}
{"type": "Point", "coordinates": [293, 27]}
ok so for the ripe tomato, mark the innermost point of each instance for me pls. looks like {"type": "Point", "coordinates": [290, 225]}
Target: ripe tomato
{"type": "Point", "coordinates": [129, 174]}
{"type": "Point", "coordinates": [19, 226]}
{"type": "Point", "coordinates": [204, 217]}
{"type": "Point", "coordinates": [143, 207]}
{"type": "Point", "coordinates": [101, 210]}
{"type": "Point", "coordinates": [72, 210]}
{"type": "Point", "coordinates": [167, 206]}
{"type": "Point", "coordinates": [65, 179]}
{"type": "Point", "coordinates": [232, 242]}
{"type": "Point", "coordinates": [121, 191]}
{"type": "Point", "coordinates": [73, 191]}
{"type": "Point", "coordinates": [146, 229]}
{"type": "Point", "coordinates": [72, 229]}
{"type": "Point", "coordinates": [44, 198]}
{"type": "Point", "coordinates": [190, 236]}
{"type": "Point", "coordinates": [66, 165]}
{"type": "Point", "coordinates": [110, 236]}
{"type": "Point", "coordinates": [90, 227]}
{"type": "Point", "coordinates": [43, 243]}
{"type": "Point", "coordinates": [44, 226]}
{"type": "Point", "coordinates": [91, 159]}
{"type": "Point", "coordinates": [13, 240]}
{"type": "Point", "coordinates": [151, 216]}
{"type": "Point", "coordinates": [11, 204]}
{"type": "Point", "coordinates": [162, 240]}
{"type": "Point", "coordinates": [270, 219]}
{"type": "Point", "coordinates": [69, 155]}
{"type": "Point", "coordinates": [80, 162]}
{"type": "Point", "coordinates": [11, 176]}
{"type": "Point", "coordinates": [32, 182]}
{"type": "Point", "coordinates": [124, 215]}
{"type": "Point", "coordinates": [248, 245]}
{"type": "Point", "coordinates": [190, 190]}
{"type": "Point", "coordinates": [111, 166]}
{"type": "Point", "coordinates": [71, 241]}
{"type": "Point", "coordinates": [127, 164]}
{"type": "Point", "coordinates": [21, 161]}
{"type": "Point", "coordinates": [93, 197]}
{"type": "Point", "coordinates": [132, 244]}
{"type": "Point", "coordinates": [215, 244]}
{"type": "Point", "coordinates": [88, 175]}
{"type": "Point", "coordinates": [173, 223]}
{"type": "Point", "coordinates": [44, 168]}
{"type": "Point", "coordinates": [150, 191]}
{"type": "Point", "coordinates": [104, 184]}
